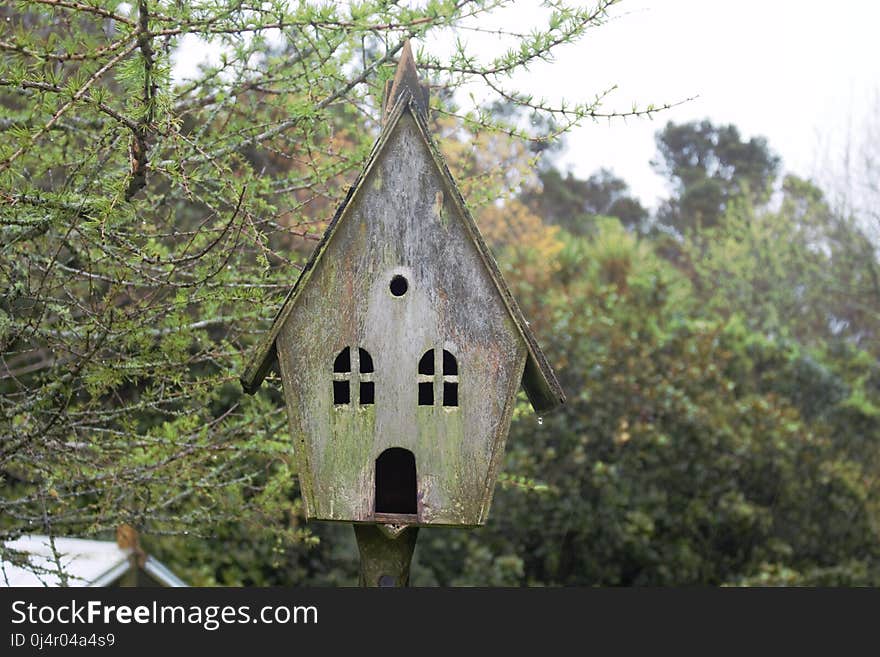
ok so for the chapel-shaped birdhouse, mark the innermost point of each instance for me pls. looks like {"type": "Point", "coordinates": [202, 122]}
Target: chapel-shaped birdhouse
{"type": "Point", "coordinates": [400, 347]}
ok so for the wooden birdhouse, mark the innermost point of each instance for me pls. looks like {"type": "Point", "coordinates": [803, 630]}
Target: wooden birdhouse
{"type": "Point", "coordinates": [400, 347]}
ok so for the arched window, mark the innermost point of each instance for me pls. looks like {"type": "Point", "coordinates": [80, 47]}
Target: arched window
{"type": "Point", "coordinates": [353, 367]}
{"type": "Point", "coordinates": [440, 378]}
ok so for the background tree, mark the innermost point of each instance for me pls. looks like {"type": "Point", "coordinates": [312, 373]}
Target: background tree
{"type": "Point", "coordinates": [573, 204]}
{"type": "Point", "coordinates": [798, 271]}
{"type": "Point", "coordinates": [708, 166]}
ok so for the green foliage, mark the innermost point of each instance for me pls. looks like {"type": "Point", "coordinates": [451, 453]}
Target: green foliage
{"type": "Point", "coordinates": [709, 166]}
{"type": "Point", "coordinates": [572, 203]}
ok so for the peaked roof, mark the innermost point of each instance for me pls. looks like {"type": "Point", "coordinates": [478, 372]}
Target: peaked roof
{"type": "Point", "coordinates": [406, 78]}
{"type": "Point", "coordinates": [405, 94]}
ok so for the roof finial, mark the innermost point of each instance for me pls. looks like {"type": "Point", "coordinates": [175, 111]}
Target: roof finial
{"type": "Point", "coordinates": [405, 78]}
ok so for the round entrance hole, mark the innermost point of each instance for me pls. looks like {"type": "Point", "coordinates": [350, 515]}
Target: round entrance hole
{"type": "Point", "coordinates": [399, 286]}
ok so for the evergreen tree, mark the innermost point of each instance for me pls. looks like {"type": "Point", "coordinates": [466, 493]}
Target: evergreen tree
{"type": "Point", "coordinates": [708, 166]}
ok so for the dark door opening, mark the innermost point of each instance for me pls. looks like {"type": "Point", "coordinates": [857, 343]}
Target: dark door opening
{"type": "Point", "coordinates": [396, 482]}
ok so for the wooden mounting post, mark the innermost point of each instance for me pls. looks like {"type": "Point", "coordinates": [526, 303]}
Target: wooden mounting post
{"type": "Point", "coordinates": [386, 553]}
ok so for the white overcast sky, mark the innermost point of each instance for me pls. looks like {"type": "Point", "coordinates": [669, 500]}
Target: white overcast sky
{"type": "Point", "coordinates": [803, 73]}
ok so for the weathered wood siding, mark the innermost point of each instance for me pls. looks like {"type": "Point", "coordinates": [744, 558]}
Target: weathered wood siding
{"type": "Point", "coordinates": [400, 221]}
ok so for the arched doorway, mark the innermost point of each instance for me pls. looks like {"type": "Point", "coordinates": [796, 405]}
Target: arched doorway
{"type": "Point", "coordinates": [396, 487]}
